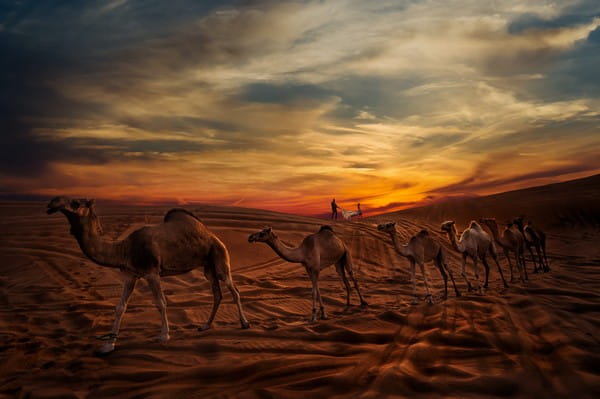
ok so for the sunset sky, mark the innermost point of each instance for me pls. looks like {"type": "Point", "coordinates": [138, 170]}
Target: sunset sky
{"type": "Point", "coordinates": [284, 105]}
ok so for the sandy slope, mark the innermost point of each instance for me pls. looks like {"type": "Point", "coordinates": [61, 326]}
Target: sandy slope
{"type": "Point", "coordinates": [534, 340]}
{"type": "Point", "coordinates": [573, 203]}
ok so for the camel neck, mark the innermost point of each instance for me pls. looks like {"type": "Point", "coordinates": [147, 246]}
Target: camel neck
{"type": "Point", "coordinates": [104, 252]}
{"type": "Point", "coordinates": [497, 238]}
{"type": "Point", "coordinates": [457, 245]}
{"type": "Point", "coordinates": [402, 249]}
{"type": "Point", "coordinates": [293, 255]}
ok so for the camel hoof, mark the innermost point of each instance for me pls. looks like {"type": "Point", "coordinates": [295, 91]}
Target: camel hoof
{"type": "Point", "coordinates": [324, 317]}
{"type": "Point", "coordinates": [245, 325]}
{"type": "Point", "coordinates": [105, 349]}
{"type": "Point", "coordinates": [204, 327]}
{"type": "Point", "coordinates": [364, 303]}
{"type": "Point", "coordinates": [163, 338]}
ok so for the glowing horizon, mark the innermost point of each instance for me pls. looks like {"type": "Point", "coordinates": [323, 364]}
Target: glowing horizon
{"type": "Point", "coordinates": [285, 105]}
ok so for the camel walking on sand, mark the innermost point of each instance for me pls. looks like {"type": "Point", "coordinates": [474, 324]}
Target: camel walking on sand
{"type": "Point", "coordinates": [316, 252]}
{"type": "Point", "coordinates": [421, 248]}
{"type": "Point", "coordinates": [474, 243]}
{"type": "Point", "coordinates": [178, 245]}
{"type": "Point", "coordinates": [534, 237]}
{"type": "Point", "coordinates": [511, 241]}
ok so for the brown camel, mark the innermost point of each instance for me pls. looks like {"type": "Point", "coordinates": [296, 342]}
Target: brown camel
{"type": "Point", "coordinates": [511, 241]}
{"type": "Point", "coordinates": [534, 237]}
{"type": "Point", "coordinates": [421, 248]}
{"type": "Point", "coordinates": [316, 252]}
{"type": "Point", "coordinates": [474, 243]}
{"type": "Point", "coordinates": [178, 245]}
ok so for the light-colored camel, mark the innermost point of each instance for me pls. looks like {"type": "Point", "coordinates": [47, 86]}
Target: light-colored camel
{"type": "Point", "coordinates": [350, 214]}
{"type": "Point", "coordinates": [178, 245]}
{"type": "Point", "coordinates": [474, 243]}
{"type": "Point", "coordinates": [421, 248]}
{"type": "Point", "coordinates": [534, 237]}
{"type": "Point", "coordinates": [511, 241]}
{"type": "Point", "coordinates": [316, 252]}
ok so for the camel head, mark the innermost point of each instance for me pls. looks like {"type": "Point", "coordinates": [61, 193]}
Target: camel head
{"type": "Point", "coordinates": [265, 235]}
{"type": "Point", "coordinates": [489, 222]}
{"type": "Point", "coordinates": [389, 227]}
{"type": "Point", "coordinates": [79, 212]}
{"type": "Point", "coordinates": [448, 226]}
{"type": "Point", "coordinates": [519, 220]}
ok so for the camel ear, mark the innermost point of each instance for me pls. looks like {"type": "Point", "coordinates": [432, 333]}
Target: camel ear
{"type": "Point", "coordinates": [269, 229]}
{"type": "Point", "coordinates": [90, 203]}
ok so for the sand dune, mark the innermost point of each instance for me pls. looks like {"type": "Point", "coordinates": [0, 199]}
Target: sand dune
{"type": "Point", "coordinates": [532, 340]}
{"type": "Point", "coordinates": [571, 204]}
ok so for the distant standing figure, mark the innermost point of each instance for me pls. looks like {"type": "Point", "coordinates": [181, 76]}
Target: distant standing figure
{"type": "Point", "coordinates": [359, 211]}
{"type": "Point", "coordinates": [334, 208]}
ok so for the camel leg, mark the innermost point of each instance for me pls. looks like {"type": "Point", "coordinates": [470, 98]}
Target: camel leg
{"type": "Point", "coordinates": [236, 299]}
{"type": "Point", "coordinates": [486, 266]}
{"type": "Point", "coordinates": [321, 306]}
{"type": "Point", "coordinates": [547, 266]}
{"type": "Point", "coordinates": [510, 266]}
{"type": "Point", "coordinates": [535, 267]}
{"type": "Point", "coordinates": [520, 267]}
{"type": "Point", "coordinates": [540, 259]}
{"type": "Point", "coordinates": [340, 270]}
{"type": "Point", "coordinates": [524, 265]}
{"type": "Point", "coordinates": [522, 252]}
{"type": "Point", "coordinates": [440, 266]}
{"type": "Point", "coordinates": [464, 273]}
{"type": "Point", "coordinates": [161, 304]}
{"type": "Point", "coordinates": [348, 267]}
{"type": "Point", "coordinates": [456, 291]}
{"type": "Point", "coordinates": [476, 269]}
{"type": "Point", "coordinates": [495, 257]}
{"type": "Point", "coordinates": [314, 277]}
{"type": "Point", "coordinates": [128, 287]}
{"type": "Point", "coordinates": [413, 276]}
{"type": "Point", "coordinates": [217, 296]}
{"type": "Point", "coordinates": [428, 293]}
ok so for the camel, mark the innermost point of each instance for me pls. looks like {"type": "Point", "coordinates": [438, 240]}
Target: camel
{"type": "Point", "coordinates": [511, 241]}
{"type": "Point", "coordinates": [316, 252]}
{"type": "Point", "coordinates": [350, 214]}
{"type": "Point", "coordinates": [534, 237]}
{"type": "Point", "coordinates": [178, 245]}
{"type": "Point", "coordinates": [421, 249]}
{"type": "Point", "coordinates": [474, 243]}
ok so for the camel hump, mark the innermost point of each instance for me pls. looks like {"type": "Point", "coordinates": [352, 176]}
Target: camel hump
{"type": "Point", "coordinates": [475, 225]}
{"type": "Point", "coordinates": [423, 233]}
{"type": "Point", "coordinates": [173, 213]}
{"type": "Point", "coordinates": [326, 227]}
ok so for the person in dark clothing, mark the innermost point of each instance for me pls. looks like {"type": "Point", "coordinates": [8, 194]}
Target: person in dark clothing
{"type": "Point", "coordinates": [334, 208]}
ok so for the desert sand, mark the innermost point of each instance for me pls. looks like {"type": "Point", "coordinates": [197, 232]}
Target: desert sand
{"type": "Point", "coordinates": [538, 339]}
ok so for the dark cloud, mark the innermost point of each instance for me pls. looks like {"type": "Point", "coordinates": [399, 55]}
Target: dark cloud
{"type": "Point", "coordinates": [577, 14]}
